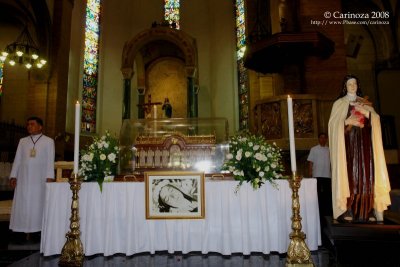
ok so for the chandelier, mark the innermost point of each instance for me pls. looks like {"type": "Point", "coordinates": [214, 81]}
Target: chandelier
{"type": "Point", "coordinates": [23, 51]}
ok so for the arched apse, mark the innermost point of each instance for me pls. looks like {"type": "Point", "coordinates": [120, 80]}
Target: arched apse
{"type": "Point", "coordinates": [160, 44]}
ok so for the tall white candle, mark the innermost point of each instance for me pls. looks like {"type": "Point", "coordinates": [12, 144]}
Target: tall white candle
{"type": "Point", "coordinates": [291, 134]}
{"type": "Point", "coordinates": [77, 132]}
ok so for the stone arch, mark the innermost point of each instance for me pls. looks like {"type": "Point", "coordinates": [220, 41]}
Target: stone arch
{"type": "Point", "coordinates": [381, 35]}
{"type": "Point", "coordinates": [133, 53]}
{"type": "Point", "coordinates": [182, 40]}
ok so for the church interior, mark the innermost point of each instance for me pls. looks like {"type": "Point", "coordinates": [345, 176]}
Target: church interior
{"type": "Point", "coordinates": [229, 63]}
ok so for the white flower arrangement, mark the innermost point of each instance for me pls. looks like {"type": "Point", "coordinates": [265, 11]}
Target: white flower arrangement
{"type": "Point", "coordinates": [253, 160]}
{"type": "Point", "coordinates": [100, 159]}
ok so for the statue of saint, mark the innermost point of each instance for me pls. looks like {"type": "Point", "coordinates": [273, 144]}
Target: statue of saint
{"type": "Point", "coordinates": [360, 182]}
{"type": "Point", "coordinates": [167, 108]}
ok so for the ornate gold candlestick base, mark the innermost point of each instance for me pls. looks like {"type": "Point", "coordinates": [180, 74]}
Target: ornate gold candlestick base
{"type": "Point", "coordinates": [298, 253]}
{"type": "Point", "coordinates": [72, 252]}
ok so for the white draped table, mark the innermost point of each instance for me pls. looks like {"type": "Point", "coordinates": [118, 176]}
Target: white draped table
{"type": "Point", "coordinates": [114, 221]}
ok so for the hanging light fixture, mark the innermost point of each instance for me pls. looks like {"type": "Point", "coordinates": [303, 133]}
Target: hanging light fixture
{"type": "Point", "coordinates": [23, 51]}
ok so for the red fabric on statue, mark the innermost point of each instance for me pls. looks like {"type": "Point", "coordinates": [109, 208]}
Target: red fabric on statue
{"type": "Point", "coordinates": [360, 169]}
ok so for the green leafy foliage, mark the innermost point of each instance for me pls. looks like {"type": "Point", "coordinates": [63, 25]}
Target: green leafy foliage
{"type": "Point", "coordinates": [100, 159]}
{"type": "Point", "coordinates": [251, 159]}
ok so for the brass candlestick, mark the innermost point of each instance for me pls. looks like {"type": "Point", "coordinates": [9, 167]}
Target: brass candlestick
{"type": "Point", "coordinates": [72, 252]}
{"type": "Point", "coordinates": [298, 253]}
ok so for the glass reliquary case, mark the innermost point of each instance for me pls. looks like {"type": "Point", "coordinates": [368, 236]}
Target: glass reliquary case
{"type": "Point", "coordinates": [177, 144]}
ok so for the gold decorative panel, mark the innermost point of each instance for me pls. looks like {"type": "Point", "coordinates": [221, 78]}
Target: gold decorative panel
{"type": "Point", "coordinates": [303, 118]}
{"type": "Point", "coordinates": [271, 120]}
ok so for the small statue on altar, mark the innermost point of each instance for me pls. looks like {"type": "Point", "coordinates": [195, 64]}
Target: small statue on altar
{"type": "Point", "coordinates": [167, 108]}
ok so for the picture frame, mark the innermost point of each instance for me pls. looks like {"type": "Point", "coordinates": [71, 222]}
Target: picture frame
{"type": "Point", "coordinates": [174, 195]}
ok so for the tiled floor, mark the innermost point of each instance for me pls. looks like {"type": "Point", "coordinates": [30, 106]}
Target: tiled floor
{"type": "Point", "coordinates": [320, 258]}
{"type": "Point", "coordinates": [18, 255]}
{"type": "Point", "coordinates": [354, 254]}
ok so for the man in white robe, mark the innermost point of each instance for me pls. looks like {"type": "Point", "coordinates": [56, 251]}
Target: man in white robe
{"type": "Point", "coordinates": [33, 166]}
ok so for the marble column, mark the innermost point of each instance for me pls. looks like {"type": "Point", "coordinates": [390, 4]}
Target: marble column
{"type": "Point", "coordinates": [53, 87]}
{"type": "Point", "coordinates": [141, 100]}
{"type": "Point", "coordinates": [192, 104]}
{"type": "Point", "coordinates": [126, 112]}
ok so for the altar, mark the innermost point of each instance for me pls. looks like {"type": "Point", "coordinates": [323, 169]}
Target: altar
{"type": "Point", "coordinates": [114, 221]}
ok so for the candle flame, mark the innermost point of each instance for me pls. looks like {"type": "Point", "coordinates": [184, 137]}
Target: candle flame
{"type": "Point", "coordinates": [77, 102]}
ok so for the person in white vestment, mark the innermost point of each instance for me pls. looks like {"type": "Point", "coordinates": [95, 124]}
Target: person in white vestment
{"type": "Point", "coordinates": [33, 166]}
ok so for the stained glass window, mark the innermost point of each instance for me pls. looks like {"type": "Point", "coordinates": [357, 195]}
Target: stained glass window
{"type": "Point", "coordinates": [242, 71]}
{"type": "Point", "coordinates": [240, 29]}
{"type": "Point", "coordinates": [171, 12]}
{"type": "Point", "coordinates": [90, 66]}
{"type": "Point", "coordinates": [1, 77]}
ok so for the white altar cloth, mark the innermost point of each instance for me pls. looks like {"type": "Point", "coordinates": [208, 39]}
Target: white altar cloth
{"type": "Point", "coordinates": [114, 221]}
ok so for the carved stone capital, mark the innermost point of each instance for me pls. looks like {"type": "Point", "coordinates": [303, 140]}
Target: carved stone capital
{"type": "Point", "coordinates": [141, 90]}
{"type": "Point", "coordinates": [190, 71]}
{"type": "Point", "coordinates": [127, 73]}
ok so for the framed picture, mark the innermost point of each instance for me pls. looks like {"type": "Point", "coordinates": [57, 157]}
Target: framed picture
{"type": "Point", "coordinates": [174, 195]}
